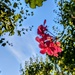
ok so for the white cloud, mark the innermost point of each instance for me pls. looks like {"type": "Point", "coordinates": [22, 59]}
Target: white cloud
{"type": "Point", "coordinates": [24, 47]}
{"type": "Point", "coordinates": [19, 55]}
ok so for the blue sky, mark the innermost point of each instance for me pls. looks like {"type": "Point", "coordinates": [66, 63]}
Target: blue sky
{"type": "Point", "coordinates": [26, 46]}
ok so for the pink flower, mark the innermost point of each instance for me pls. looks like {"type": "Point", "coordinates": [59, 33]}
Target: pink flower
{"type": "Point", "coordinates": [41, 29]}
{"type": "Point", "coordinates": [58, 44]}
{"type": "Point", "coordinates": [43, 51]}
{"type": "Point", "coordinates": [44, 22]}
{"type": "Point", "coordinates": [42, 45]}
{"type": "Point", "coordinates": [49, 52]}
{"type": "Point", "coordinates": [46, 42]}
{"type": "Point", "coordinates": [46, 50]}
{"type": "Point", "coordinates": [56, 55]}
{"type": "Point", "coordinates": [37, 39]}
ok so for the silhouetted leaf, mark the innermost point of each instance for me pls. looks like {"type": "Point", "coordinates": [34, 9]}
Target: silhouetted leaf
{"type": "Point", "coordinates": [3, 44]}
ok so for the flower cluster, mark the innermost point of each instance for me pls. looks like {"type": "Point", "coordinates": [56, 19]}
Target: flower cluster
{"type": "Point", "coordinates": [47, 43]}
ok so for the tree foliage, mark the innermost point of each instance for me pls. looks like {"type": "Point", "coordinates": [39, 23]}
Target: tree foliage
{"type": "Point", "coordinates": [12, 14]}
{"type": "Point", "coordinates": [34, 3]}
{"type": "Point", "coordinates": [9, 15]}
{"type": "Point", "coordinates": [40, 66]}
{"type": "Point", "coordinates": [37, 66]}
{"type": "Point", "coordinates": [67, 20]}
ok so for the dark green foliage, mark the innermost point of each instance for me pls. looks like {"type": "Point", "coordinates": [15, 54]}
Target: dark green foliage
{"type": "Point", "coordinates": [3, 42]}
{"type": "Point", "coordinates": [8, 16]}
{"type": "Point", "coordinates": [67, 37]}
{"type": "Point", "coordinates": [12, 14]}
{"type": "Point", "coordinates": [40, 66]}
{"type": "Point", "coordinates": [37, 67]}
{"type": "Point", "coordinates": [34, 3]}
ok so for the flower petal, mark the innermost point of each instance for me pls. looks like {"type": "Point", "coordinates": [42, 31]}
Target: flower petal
{"type": "Point", "coordinates": [41, 45]}
{"type": "Point", "coordinates": [44, 22]}
{"type": "Point", "coordinates": [59, 49]}
{"type": "Point", "coordinates": [49, 52]}
{"type": "Point", "coordinates": [43, 51]}
{"type": "Point", "coordinates": [58, 44]}
{"type": "Point", "coordinates": [56, 55]}
{"type": "Point", "coordinates": [37, 39]}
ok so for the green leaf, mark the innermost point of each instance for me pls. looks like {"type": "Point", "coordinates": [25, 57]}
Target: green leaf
{"type": "Point", "coordinates": [1, 41]}
{"type": "Point", "coordinates": [15, 5]}
{"type": "Point", "coordinates": [3, 44]}
{"type": "Point", "coordinates": [19, 32]}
